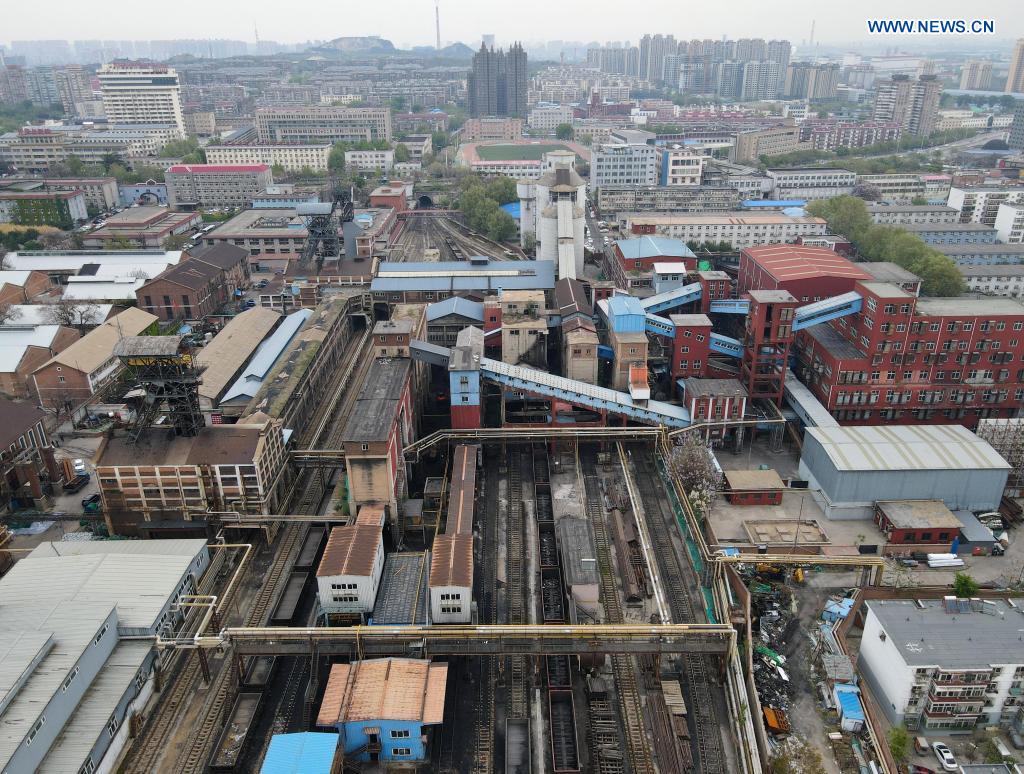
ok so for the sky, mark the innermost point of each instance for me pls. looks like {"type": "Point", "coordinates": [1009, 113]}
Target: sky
{"type": "Point", "coordinates": [411, 22]}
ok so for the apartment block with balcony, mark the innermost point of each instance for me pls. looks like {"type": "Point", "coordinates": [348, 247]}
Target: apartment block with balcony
{"type": "Point", "coordinates": [944, 665]}
{"type": "Point", "coordinates": [1009, 223]}
{"type": "Point", "coordinates": [980, 204]}
{"type": "Point", "coordinates": [915, 360]}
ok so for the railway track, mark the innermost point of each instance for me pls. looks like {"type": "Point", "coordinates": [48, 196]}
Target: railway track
{"type": "Point", "coordinates": [483, 740]}
{"type": "Point", "coordinates": [679, 592]}
{"type": "Point", "coordinates": [515, 529]}
{"type": "Point", "coordinates": [145, 756]}
{"type": "Point", "coordinates": [623, 666]}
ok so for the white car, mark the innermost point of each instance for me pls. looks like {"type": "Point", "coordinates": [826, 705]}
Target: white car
{"type": "Point", "coordinates": [945, 756]}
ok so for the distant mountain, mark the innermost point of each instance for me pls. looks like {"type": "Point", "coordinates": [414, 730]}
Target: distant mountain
{"type": "Point", "coordinates": [357, 46]}
{"type": "Point", "coordinates": [457, 51]}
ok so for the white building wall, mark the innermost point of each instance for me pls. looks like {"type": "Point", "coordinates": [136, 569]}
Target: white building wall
{"type": "Point", "coordinates": [460, 597]}
{"type": "Point", "coordinates": [364, 591]}
{"type": "Point", "coordinates": [888, 674]}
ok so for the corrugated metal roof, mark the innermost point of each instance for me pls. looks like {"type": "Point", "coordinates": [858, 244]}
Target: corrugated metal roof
{"type": "Point", "coordinates": [39, 314]}
{"type": "Point", "coordinates": [61, 261]}
{"type": "Point", "coordinates": [350, 550]}
{"type": "Point", "coordinates": [309, 752]}
{"type": "Point", "coordinates": [385, 689]}
{"type": "Point", "coordinates": [653, 247]}
{"type": "Point", "coordinates": [794, 262]}
{"type": "Point", "coordinates": [222, 358]}
{"type": "Point", "coordinates": [100, 289]}
{"type": "Point", "coordinates": [451, 561]}
{"type": "Point", "coordinates": [248, 384]}
{"type": "Point", "coordinates": [93, 712]}
{"type": "Point", "coordinates": [15, 341]}
{"type": "Point", "coordinates": [473, 310]}
{"type": "Point", "coordinates": [96, 347]}
{"type": "Point", "coordinates": [907, 447]}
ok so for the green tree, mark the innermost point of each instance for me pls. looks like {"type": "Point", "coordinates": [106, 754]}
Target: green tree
{"type": "Point", "coordinates": [398, 104]}
{"type": "Point", "coordinates": [438, 140]}
{"type": "Point", "coordinates": [502, 190]}
{"type": "Point", "coordinates": [899, 743]}
{"type": "Point", "coordinates": [401, 153]}
{"type": "Point", "coordinates": [75, 165]}
{"type": "Point", "coordinates": [918, 201]}
{"type": "Point", "coordinates": [119, 244]}
{"type": "Point", "coordinates": [336, 157]}
{"type": "Point", "coordinates": [277, 171]}
{"type": "Point", "coordinates": [175, 242]}
{"type": "Point", "coordinates": [964, 586]}
{"type": "Point", "coordinates": [564, 131]}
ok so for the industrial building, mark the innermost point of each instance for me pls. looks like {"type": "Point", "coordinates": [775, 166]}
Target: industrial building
{"type": "Point", "coordinates": [849, 469]}
{"type": "Point", "coordinates": [451, 556]}
{"type": "Point", "coordinates": [428, 281]}
{"type": "Point", "coordinates": [142, 227]}
{"type": "Point", "coordinates": [384, 709]}
{"type": "Point", "coordinates": [631, 261]}
{"type": "Point", "coordinates": [77, 624]}
{"type": "Point", "coordinates": [943, 665]}
{"type": "Point", "coordinates": [809, 273]}
{"type": "Point", "coordinates": [349, 573]}
{"type": "Point", "coordinates": [552, 213]}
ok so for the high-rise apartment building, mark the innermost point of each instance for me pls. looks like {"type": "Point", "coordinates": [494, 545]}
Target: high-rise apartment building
{"type": "Point", "coordinates": [976, 75]}
{"type": "Point", "coordinates": [1016, 137]}
{"type": "Point", "coordinates": [912, 103]}
{"type": "Point", "coordinates": [805, 80]}
{"type": "Point", "coordinates": [653, 51]}
{"type": "Point", "coordinates": [141, 93]}
{"type": "Point", "coordinates": [497, 82]}
{"type": "Point", "coordinates": [760, 80]}
{"type": "Point", "coordinates": [1015, 75]}
{"type": "Point", "coordinates": [73, 87]}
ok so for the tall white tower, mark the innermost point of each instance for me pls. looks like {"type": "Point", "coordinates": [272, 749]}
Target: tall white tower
{"type": "Point", "coordinates": [551, 209]}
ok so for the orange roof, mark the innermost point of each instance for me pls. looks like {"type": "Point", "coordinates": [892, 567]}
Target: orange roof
{"type": "Point", "coordinates": [372, 515]}
{"type": "Point", "coordinates": [451, 560]}
{"type": "Point", "coordinates": [385, 689]}
{"type": "Point", "coordinates": [350, 550]}
{"type": "Point", "coordinates": [792, 262]}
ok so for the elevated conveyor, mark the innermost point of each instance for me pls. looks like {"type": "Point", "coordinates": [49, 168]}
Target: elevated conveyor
{"type": "Point", "coordinates": [661, 326]}
{"type": "Point", "coordinates": [810, 410]}
{"type": "Point", "coordinates": [730, 306]}
{"type": "Point", "coordinates": [426, 352]}
{"type": "Point", "coordinates": [826, 309]}
{"type": "Point", "coordinates": [670, 299]}
{"type": "Point", "coordinates": [582, 394]}
{"type": "Point", "coordinates": [725, 345]}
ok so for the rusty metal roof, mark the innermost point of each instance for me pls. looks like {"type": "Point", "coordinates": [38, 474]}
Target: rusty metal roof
{"type": "Point", "coordinates": [350, 551]}
{"type": "Point", "coordinates": [451, 561]}
{"type": "Point", "coordinates": [463, 490]}
{"type": "Point", "coordinates": [372, 515]}
{"type": "Point", "coordinates": [385, 689]}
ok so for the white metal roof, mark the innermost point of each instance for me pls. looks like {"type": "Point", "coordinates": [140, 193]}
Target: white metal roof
{"type": "Point", "coordinates": [61, 261]}
{"type": "Point", "coordinates": [907, 447]}
{"type": "Point", "coordinates": [91, 289]}
{"type": "Point", "coordinates": [12, 277]}
{"type": "Point", "coordinates": [93, 712]}
{"type": "Point", "coordinates": [14, 340]}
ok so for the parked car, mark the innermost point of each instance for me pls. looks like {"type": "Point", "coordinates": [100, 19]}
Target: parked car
{"type": "Point", "coordinates": [79, 466]}
{"type": "Point", "coordinates": [250, 303]}
{"type": "Point", "coordinates": [87, 501]}
{"type": "Point", "coordinates": [945, 756]}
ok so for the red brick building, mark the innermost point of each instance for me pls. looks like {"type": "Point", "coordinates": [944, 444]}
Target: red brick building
{"type": "Point", "coordinates": [391, 195]}
{"type": "Point", "coordinates": [753, 487]}
{"type": "Point", "coordinates": [189, 291]}
{"type": "Point", "coordinates": [915, 523]}
{"type": "Point", "coordinates": [712, 400]}
{"type": "Point", "coordinates": [917, 360]}
{"type": "Point", "coordinates": [691, 346]}
{"type": "Point", "coordinates": [809, 273]}
{"type": "Point", "coordinates": [631, 263]}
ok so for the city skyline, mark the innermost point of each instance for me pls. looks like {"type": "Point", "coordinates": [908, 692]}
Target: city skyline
{"type": "Point", "coordinates": [412, 23]}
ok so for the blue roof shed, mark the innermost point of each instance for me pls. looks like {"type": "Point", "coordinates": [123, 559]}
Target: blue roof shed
{"type": "Point", "coordinates": [311, 752]}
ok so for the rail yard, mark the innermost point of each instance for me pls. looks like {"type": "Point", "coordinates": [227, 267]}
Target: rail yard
{"type": "Point", "coordinates": [441, 235]}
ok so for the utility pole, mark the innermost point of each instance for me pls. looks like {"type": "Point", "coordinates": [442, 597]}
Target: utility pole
{"type": "Point", "coordinates": [437, 21]}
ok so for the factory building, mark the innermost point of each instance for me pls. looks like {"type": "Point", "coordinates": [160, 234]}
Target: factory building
{"type": "Point", "coordinates": [429, 281]}
{"type": "Point", "coordinates": [446, 318]}
{"type": "Point", "coordinates": [632, 261]}
{"type": "Point", "coordinates": [552, 213]}
{"type": "Point", "coordinates": [78, 623]}
{"type": "Point", "coordinates": [349, 573]}
{"type": "Point", "coordinates": [809, 273]}
{"type": "Point", "coordinates": [385, 709]}
{"type": "Point", "coordinates": [849, 469]}
{"type": "Point", "coordinates": [948, 665]}
{"type": "Point", "coordinates": [579, 561]}
{"type": "Point", "coordinates": [451, 562]}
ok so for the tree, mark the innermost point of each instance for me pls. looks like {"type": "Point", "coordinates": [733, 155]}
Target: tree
{"type": "Point", "coordinates": [867, 192]}
{"type": "Point", "coordinates": [401, 153]}
{"type": "Point", "coordinates": [964, 586]}
{"type": "Point", "coordinates": [75, 165]}
{"type": "Point", "coordinates": [9, 313]}
{"type": "Point", "coordinates": [919, 201]}
{"type": "Point", "coordinates": [564, 131]}
{"type": "Point", "coordinates": [277, 171]}
{"type": "Point", "coordinates": [119, 244]}
{"type": "Point", "coordinates": [175, 242]}
{"type": "Point", "coordinates": [398, 103]}
{"type": "Point", "coordinates": [502, 190]}
{"type": "Point", "coordinates": [690, 463]}
{"type": "Point", "coordinates": [81, 315]}
{"type": "Point", "coordinates": [336, 157]}
{"type": "Point", "coordinates": [899, 743]}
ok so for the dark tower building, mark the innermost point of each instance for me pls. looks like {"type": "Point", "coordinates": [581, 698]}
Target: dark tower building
{"type": "Point", "coordinates": [497, 83]}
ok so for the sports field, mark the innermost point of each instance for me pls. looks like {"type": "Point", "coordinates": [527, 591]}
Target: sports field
{"type": "Point", "coordinates": [531, 152]}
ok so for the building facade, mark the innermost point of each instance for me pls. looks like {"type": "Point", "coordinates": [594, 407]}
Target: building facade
{"type": "Point", "coordinates": [141, 93]}
{"type": "Point", "coordinates": [911, 103]}
{"type": "Point", "coordinates": [738, 229]}
{"type": "Point", "coordinates": [292, 157]}
{"type": "Point", "coordinates": [323, 124]}
{"type": "Point", "coordinates": [216, 185]}
{"type": "Point", "coordinates": [497, 82]}
{"type": "Point", "coordinates": [811, 183]}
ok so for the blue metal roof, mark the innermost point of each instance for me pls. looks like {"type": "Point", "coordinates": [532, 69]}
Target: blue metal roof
{"type": "Point", "coordinates": [512, 208]}
{"type": "Point", "coordinates": [755, 203]}
{"type": "Point", "coordinates": [472, 310]}
{"type": "Point", "coordinates": [654, 247]}
{"type": "Point", "coordinates": [849, 701]}
{"type": "Point", "coordinates": [310, 752]}
{"type": "Point", "coordinates": [266, 355]}
{"type": "Point", "coordinates": [620, 304]}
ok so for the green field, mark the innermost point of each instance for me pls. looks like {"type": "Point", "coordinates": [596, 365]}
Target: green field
{"type": "Point", "coordinates": [517, 152]}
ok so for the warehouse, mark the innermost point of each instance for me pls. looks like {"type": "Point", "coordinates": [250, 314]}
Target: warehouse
{"type": "Point", "coordinates": [849, 469]}
{"type": "Point", "coordinates": [349, 573]}
{"type": "Point", "coordinates": [451, 579]}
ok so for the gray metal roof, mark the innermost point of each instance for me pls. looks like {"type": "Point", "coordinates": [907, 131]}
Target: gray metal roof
{"type": "Point", "coordinates": [248, 384]}
{"type": "Point", "coordinates": [906, 447]}
{"type": "Point", "coordinates": [460, 275]}
{"type": "Point", "coordinates": [933, 637]}
{"type": "Point", "coordinates": [148, 346]}
{"type": "Point", "coordinates": [579, 559]}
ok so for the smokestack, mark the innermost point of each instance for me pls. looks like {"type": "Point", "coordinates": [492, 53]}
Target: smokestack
{"type": "Point", "coordinates": [437, 22]}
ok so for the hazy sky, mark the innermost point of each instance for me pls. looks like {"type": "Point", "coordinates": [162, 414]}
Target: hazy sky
{"type": "Point", "coordinates": [411, 22]}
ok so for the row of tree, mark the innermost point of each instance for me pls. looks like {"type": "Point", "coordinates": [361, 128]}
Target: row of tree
{"type": "Point", "coordinates": [481, 204]}
{"type": "Point", "coordinates": [848, 215]}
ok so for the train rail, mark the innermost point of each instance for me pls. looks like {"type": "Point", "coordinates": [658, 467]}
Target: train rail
{"type": "Point", "coordinates": [623, 666]}
{"type": "Point", "coordinates": [518, 692]}
{"type": "Point", "coordinates": [707, 740]}
{"type": "Point", "coordinates": [147, 754]}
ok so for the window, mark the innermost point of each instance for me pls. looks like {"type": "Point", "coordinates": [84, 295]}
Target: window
{"type": "Point", "coordinates": [400, 733]}
{"type": "Point", "coordinates": [68, 680]}
{"type": "Point", "coordinates": [112, 725]}
{"type": "Point", "coordinates": [364, 446]}
{"type": "Point", "coordinates": [88, 767]}
{"type": "Point", "coordinates": [99, 635]}
{"type": "Point", "coordinates": [401, 752]}
{"type": "Point", "coordinates": [35, 730]}
{"type": "Point", "coordinates": [61, 379]}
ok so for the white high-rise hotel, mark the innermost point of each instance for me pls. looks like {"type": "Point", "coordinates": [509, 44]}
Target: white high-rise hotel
{"type": "Point", "coordinates": [141, 93]}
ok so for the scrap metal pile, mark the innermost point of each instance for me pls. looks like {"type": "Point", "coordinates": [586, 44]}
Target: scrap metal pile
{"type": "Point", "coordinates": [774, 626]}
